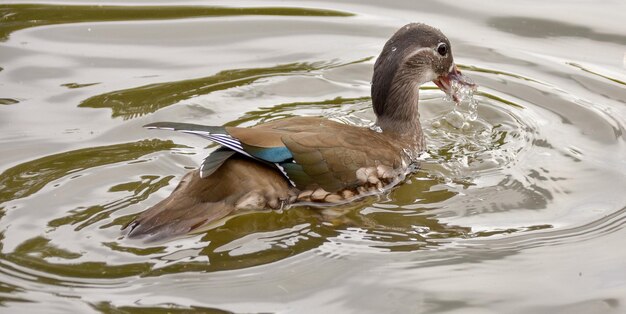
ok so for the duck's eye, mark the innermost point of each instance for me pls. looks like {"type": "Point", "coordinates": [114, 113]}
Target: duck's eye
{"type": "Point", "coordinates": [442, 49]}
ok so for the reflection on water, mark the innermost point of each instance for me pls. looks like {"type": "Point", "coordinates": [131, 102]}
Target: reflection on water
{"type": "Point", "coordinates": [8, 101]}
{"type": "Point", "coordinates": [107, 307]}
{"type": "Point", "coordinates": [76, 85]}
{"type": "Point", "coordinates": [535, 182]}
{"type": "Point", "coordinates": [140, 190]}
{"type": "Point", "coordinates": [20, 16]}
{"type": "Point", "coordinates": [28, 178]}
{"type": "Point", "coordinates": [142, 100]}
{"type": "Point", "coordinates": [535, 27]}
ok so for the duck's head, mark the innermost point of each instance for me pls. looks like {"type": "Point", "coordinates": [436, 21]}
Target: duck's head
{"type": "Point", "coordinates": [415, 54]}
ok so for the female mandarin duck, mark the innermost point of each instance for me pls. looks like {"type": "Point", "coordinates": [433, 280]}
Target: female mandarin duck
{"type": "Point", "coordinates": [309, 159]}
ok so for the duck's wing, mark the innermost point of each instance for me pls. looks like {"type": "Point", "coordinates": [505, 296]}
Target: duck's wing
{"type": "Point", "coordinates": [310, 152]}
{"type": "Point", "coordinates": [262, 145]}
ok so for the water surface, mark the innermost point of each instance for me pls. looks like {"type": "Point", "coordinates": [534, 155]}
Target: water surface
{"type": "Point", "coordinates": [522, 210]}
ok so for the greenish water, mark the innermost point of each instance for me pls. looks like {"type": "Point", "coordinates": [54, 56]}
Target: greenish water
{"type": "Point", "coordinates": [521, 211]}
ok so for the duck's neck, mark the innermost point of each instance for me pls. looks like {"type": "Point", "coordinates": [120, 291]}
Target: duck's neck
{"type": "Point", "coordinates": [398, 116]}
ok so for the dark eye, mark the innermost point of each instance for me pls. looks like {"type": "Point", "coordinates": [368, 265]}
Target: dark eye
{"type": "Point", "coordinates": [442, 49]}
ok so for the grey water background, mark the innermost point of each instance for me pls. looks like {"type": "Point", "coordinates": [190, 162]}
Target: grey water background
{"type": "Point", "coordinates": [521, 211]}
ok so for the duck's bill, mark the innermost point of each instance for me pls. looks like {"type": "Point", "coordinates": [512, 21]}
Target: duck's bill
{"type": "Point", "coordinates": [453, 82]}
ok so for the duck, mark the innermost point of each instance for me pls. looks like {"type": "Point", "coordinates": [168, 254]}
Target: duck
{"type": "Point", "coordinates": [310, 160]}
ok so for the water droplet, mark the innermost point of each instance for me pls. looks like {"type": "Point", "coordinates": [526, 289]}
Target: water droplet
{"type": "Point", "coordinates": [455, 118]}
{"type": "Point", "coordinates": [462, 93]}
{"type": "Point", "coordinates": [473, 109]}
{"type": "Point", "coordinates": [376, 128]}
{"type": "Point", "coordinates": [393, 48]}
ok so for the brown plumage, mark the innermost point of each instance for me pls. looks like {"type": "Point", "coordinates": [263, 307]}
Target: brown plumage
{"type": "Point", "coordinates": [330, 153]}
{"type": "Point", "coordinates": [310, 159]}
{"type": "Point", "coordinates": [239, 182]}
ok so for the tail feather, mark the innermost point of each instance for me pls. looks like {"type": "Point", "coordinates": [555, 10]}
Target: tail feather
{"type": "Point", "coordinates": [161, 226]}
{"type": "Point", "coordinates": [198, 202]}
{"type": "Point", "coordinates": [186, 127]}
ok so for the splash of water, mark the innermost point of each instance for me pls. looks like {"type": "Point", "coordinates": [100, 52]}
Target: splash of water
{"type": "Point", "coordinates": [374, 127]}
{"type": "Point", "coordinates": [459, 140]}
{"type": "Point", "coordinates": [462, 93]}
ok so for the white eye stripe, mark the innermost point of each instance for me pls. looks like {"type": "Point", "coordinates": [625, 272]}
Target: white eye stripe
{"type": "Point", "coordinates": [433, 51]}
{"type": "Point", "coordinates": [419, 51]}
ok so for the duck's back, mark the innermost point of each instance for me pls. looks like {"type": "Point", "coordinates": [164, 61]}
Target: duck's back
{"type": "Point", "coordinates": [329, 154]}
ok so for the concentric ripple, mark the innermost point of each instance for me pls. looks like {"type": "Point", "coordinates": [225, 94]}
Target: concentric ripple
{"type": "Point", "coordinates": [542, 165]}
